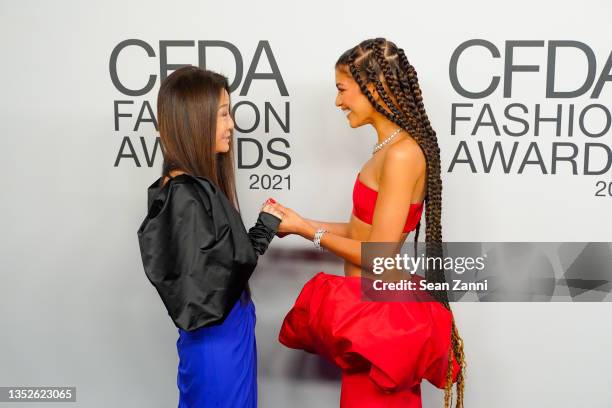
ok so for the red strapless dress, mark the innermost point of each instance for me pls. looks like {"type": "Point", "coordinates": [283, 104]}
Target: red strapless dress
{"type": "Point", "coordinates": [385, 349]}
{"type": "Point", "coordinates": [364, 202]}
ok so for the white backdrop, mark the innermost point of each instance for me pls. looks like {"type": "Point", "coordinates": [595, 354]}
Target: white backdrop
{"type": "Point", "coordinates": [75, 305]}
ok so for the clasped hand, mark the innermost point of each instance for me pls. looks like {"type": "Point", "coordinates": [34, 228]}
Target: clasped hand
{"type": "Point", "coordinates": [291, 222]}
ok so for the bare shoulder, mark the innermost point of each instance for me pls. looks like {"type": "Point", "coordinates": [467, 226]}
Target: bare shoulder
{"type": "Point", "coordinates": [406, 155]}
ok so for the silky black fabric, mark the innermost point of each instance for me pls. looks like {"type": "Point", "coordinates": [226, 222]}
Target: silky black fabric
{"type": "Point", "coordinates": [196, 251]}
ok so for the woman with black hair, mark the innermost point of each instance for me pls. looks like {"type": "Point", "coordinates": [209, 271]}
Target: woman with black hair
{"type": "Point", "coordinates": [195, 248]}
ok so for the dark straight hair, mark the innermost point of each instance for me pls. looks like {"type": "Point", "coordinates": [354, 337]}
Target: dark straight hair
{"type": "Point", "coordinates": [187, 105]}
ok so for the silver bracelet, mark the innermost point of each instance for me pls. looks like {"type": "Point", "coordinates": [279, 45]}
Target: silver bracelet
{"type": "Point", "coordinates": [317, 238]}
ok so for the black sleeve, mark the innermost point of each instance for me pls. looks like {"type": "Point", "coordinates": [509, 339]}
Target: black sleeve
{"type": "Point", "coordinates": [263, 231]}
{"type": "Point", "coordinates": [197, 253]}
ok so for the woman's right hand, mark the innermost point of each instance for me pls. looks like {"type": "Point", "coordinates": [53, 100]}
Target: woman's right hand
{"type": "Point", "coordinates": [292, 222]}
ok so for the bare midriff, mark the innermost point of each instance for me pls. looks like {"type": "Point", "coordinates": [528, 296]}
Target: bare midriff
{"type": "Point", "coordinates": [359, 231]}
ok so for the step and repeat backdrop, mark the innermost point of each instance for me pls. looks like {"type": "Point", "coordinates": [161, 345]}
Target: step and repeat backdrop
{"type": "Point", "coordinates": [520, 96]}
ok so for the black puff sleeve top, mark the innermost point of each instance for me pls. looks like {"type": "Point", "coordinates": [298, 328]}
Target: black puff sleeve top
{"type": "Point", "coordinates": [196, 251]}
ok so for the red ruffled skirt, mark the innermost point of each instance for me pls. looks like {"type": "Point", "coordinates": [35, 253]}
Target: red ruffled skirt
{"type": "Point", "coordinates": [384, 349]}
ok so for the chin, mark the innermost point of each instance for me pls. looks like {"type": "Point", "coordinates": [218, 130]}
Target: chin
{"type": "Point", "coordinates": [223, 149]}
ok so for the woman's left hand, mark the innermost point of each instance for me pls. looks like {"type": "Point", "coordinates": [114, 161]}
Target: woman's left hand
{"type": "Point", "coordinates": [269, 207]}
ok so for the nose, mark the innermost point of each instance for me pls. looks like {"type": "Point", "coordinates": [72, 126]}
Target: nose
{"type": "Point", "coordinates": [231, 123]}
{"type": "Point", "coordinates": [338, 100]}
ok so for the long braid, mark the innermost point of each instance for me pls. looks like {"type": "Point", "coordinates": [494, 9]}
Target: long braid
{"type": "Point", "coordinates": [381, 63]}
{"type": "Point", "coordinates": [404, 100]}
{"type": "Point", "coordinates": [372, 77]}
{"type": "Point", "coordinates": [456, 340]}
{"type": "Point", "coordinates": [387, 75]}
{"type": "Point", "coordinates": [368, 94]}
{"type": "Point", "coordinates": [431, 150]}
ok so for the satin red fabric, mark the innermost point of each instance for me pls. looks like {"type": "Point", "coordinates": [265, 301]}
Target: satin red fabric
{"type": "Point", "coordinates": [364, 202]}
{"type": "Point", "coordinates": [385, 349]}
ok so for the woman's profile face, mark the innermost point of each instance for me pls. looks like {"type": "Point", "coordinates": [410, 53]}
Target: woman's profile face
{"type": "Point", "coordinates": [350, 99]}
{"type": "Point", "coordinates": [225, 124]}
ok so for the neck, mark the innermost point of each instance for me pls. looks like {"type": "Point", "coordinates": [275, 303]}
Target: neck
{"type": "Point", "coordinates": [384, 128]}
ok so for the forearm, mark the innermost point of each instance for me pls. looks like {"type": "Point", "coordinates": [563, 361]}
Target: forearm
{"type": "Point", "coordinates": [336, 228]}
{"type": "Point", "coordinates": [346, 248]}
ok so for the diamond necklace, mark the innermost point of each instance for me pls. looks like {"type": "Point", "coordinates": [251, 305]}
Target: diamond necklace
{"type": "Point", "coordinates": [382, 144]}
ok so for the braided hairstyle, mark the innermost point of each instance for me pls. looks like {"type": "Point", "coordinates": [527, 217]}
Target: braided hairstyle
{"type": "Point", "coordinates": [382, 65]}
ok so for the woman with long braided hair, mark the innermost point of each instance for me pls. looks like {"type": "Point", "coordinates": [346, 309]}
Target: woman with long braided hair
{"type": "Point", "coordinates": [384, 349]}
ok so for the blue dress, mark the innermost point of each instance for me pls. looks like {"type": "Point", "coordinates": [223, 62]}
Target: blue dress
{"type": "Point", "coordinates": [218, 364]}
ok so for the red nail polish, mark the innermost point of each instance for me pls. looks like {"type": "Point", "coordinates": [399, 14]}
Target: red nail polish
{"type": "Point", "coordinates": [272, 200]}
